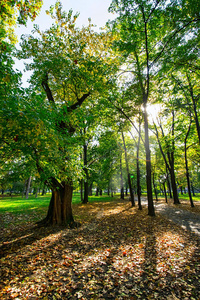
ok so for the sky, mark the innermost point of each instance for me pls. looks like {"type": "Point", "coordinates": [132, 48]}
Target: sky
{"type": "Point", "coordinates": [97, 10]}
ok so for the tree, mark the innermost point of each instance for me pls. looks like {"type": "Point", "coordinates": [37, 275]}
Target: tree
{"type": "Point", "coordinates": [147, 30]}
{"type": "Point", "coordinates": [73, 67]}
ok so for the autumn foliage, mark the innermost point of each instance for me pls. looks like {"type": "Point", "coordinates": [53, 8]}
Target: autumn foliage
{"type": "Point", "coordinates": [117, 253]}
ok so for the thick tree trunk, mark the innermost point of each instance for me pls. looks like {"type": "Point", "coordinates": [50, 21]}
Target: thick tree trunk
{"type": "Point", "coordinates": [151, 211]}
{"type": "Point", "coordinates": [60, 207]}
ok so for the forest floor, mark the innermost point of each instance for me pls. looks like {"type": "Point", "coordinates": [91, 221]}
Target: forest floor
{"type": "Point", "coordinates": [119, 253]}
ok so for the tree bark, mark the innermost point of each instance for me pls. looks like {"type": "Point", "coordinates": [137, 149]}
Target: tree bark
{"type": "Point", "coordinates": [170, 165]}
{"type": "Point", "coordinates": [97, 192]}
{"type": "Point", "coordinates": [187, 168]}
{"type": "Point", "coordinates": [81, 187]}
{"type": "Point", "coordinates": [151, 211]}
{"type": "Point", "coordinates": [165, 191]}
{"type": "Point", "coordinates": [28, 187]}
{"type": "Point", "coordinates": [60, 207]}
{"type": "Point", "coordinates": [122, 184]}
{"type": "Point", "coordinates": [128, 173]}
{"type": "Point", "coordinates": [85, 199]}
{"type": "Point", "coordinates": [154, 186]}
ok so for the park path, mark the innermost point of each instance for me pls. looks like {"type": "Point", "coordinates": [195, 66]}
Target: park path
{"type": "Point", "coordinates": [186, 219]}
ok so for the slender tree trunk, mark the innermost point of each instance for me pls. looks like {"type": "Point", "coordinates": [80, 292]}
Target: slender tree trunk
{"type": "Point", "coordinates": [165, 191]}
{"type": "Point", "coordinates": [169, 185]}
{"type": "Point", "coordinates": [174, 186]}
{"type": "Point", "coordinates": [85, 199]}
{"type": "Point", "coordinates": [128, 173]}
{"type": "Point", "coordinates": [170, 165]}
{"type": "Point", "coordinates": [138, 168]}
{"type": "Point", "coordinates": [151, 211]}
{"type": "Point", "coordinates": [81, 187]}
{"type": "Point", "coordinates": [122, 184]}
{"type": "Point", "coordinates": [126, 190]}
{"type": "Point", "coordinates": [154, 186]}
{"type": "Point", "coordinates": [60, 208]}
{"type": "Point", "coordinates": [187, 168]}
{"type": "Point", "coordinates": [28, 187]}
{"type": "Point", "coordinates": [108, 190]}
{"type": "Point", "coordinates": [171, 160]}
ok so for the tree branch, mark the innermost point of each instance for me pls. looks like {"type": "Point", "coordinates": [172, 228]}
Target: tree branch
{"type": "Point", "coordinates": [173, 35]}
{"type": "Point", "coordinates": [79, 102]}
{"type": "Point", "coordinates": [47, 89]}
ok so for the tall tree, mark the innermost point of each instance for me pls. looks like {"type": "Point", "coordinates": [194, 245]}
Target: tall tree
{"type": "Point", "coordinates": [72, 66]}
{"type": "Point", "coordinates": [148, 29]}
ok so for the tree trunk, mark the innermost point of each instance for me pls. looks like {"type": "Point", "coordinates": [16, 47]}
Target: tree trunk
{"type": "Point", "coordinates": [97, 192]}
{"type": "Point", "coordinates": [122, 184]}
{"type": "Point", "coordinates": [60, 207]}
{"type": "Point", "coordinates": [170, 165]}
{"type": "Point", "coordinates": [28, 187]}
{"type": "Point", "coordinates": [128, 173]}
{"type": "Point", "coordinates": [169, 186]}
{"type": "Point", "coordinates": [154, 186]}
{"type": "Point", "coordinates": [138, 168]}
{"type": "Point", "coordinates": [165, 191]}
{"type": "Point", "coordinates": [81, 186]}
{"type": "Point", "coordinates": [174, 187]}
{"type": "Point", "coordinates": [85, 199]}
{"type": "Point", "coordinates": [187, 169]}
{"type": "Point", "coordinates": [151, 211]}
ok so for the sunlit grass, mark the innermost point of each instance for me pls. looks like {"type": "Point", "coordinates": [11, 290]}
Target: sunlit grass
{"type": "Point", "coordinates": [17, 204]}
{"type": "Point", "coordinates": [184, 197]}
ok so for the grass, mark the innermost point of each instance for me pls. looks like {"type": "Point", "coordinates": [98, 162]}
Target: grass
{"type": "Point", "coordinates": [36, 208]}
{"type": "Point", "coordinates": [183, 197]}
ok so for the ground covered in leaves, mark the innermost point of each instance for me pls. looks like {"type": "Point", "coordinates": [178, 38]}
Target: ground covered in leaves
{"type": "Point", "coordinates": [117, 253]}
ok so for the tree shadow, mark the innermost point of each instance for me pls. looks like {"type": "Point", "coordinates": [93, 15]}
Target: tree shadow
{"type": "Point", "coordinates": [99, 262]}
{"type": "Point", "coordinates": [25, 237]}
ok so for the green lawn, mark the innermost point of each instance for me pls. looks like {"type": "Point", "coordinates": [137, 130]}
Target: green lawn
{"type": "Point", "coordinates": [17, 204]}
{"type": "Point", "coordinates": [184, 197]}
{"type": "Point", "coordinates": [17, 209]}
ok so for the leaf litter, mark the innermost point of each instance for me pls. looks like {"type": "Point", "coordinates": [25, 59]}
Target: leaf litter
{"type": "Point", "coordinates": [117, 253]}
